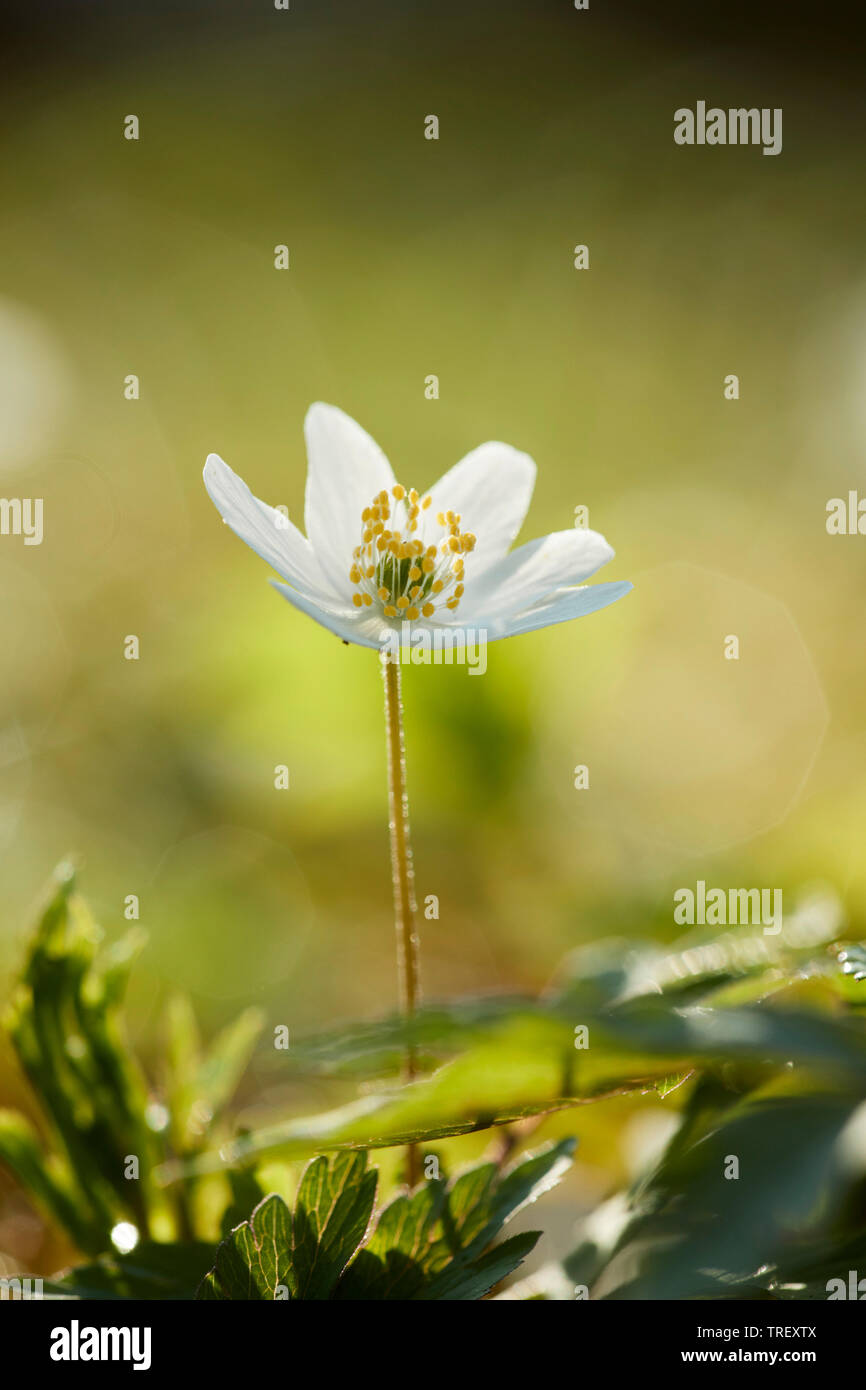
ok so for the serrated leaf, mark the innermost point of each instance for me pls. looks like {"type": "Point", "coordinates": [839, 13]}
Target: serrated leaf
{"type": "Point", "coordinates": [332, 1212]}
{"type": "Point", "coordinates": [254, 1262]}
{"type": "Point", "coordinates": [476, 1278]}
{"type": "Point", "coordinates": [421, 1246]}
{"type": "Point", "coordinates": [441, 1228]}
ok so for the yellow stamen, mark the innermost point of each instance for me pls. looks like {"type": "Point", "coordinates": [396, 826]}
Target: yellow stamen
{"type": "Point", "coordinates": [400, 567]}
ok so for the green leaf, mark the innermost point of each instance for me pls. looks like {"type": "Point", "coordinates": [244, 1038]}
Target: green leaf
{"type": "Point", "coordinates": [200, 1086]}
{"type": "Point", "coordinates": [421, 1235]}
{"type": "Point", "coordinates": [332, 1213]}
{"type": "Point", "coordinates": [47, 1179]}
{"type": "Point", "coordinates": [697, 1230]}
{"type": "Point", "coordinates": [433, 1243]}
{"type": "Point", "coordinates": [529, 1065]}
{"type": "Point", "coordinates": [65, 1022]}
{"type": "Point", "coordinates": [254, 1262]}
{"type": "Point", "coordinates": [477, 1278]}
{"type": "Point", "coordinates": [300, 1255]}
{"type": "Point", "coordinates": [227, 1059]}
{"type": "Point", "coordinates": [65, 1025]}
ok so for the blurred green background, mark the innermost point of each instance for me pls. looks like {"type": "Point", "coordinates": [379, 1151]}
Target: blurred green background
{"type": "Point", "coordinates": [411, 257]}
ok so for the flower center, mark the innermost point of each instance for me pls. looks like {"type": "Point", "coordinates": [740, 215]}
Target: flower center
{"type": "Point", "coordinates": [392, 564]}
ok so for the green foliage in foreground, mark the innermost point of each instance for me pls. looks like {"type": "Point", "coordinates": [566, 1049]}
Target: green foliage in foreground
{"type": "Point", "coordinates": [100, 1110]}
{"type": "Point", "coordinates": [760, 1193]}
{"type": "Point", "coordinates": [433, 1243]}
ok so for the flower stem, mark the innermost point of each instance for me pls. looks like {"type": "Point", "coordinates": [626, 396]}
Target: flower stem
{"type": "Point", "coordinates": [402, 872]}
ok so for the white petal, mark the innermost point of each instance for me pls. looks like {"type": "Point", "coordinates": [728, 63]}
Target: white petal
{"type": "Point", "coordinates": [574, 604]}
{"type": "Point", "coordinates": [265, 530]}
{"type": "Point", "coordinates": [349, 624]}
{"type": "Point", "coordinates": [491, 489]}
{"type": "Point", "coordinates": [535, 571]}
{"type": "Point", "coordinates": [345, 470]}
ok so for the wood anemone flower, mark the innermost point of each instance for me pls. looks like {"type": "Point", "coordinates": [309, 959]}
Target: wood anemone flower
{"type": "Point", "coordinates": [379, 557]}
{"type": "Point", "coordinates": [378, 554]}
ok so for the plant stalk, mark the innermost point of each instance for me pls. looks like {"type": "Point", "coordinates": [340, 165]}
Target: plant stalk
{"type": "Point", "coordinates": [402, 873]}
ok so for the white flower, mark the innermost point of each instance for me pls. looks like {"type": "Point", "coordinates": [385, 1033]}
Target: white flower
{"type": "Point", "coordinates": [378, 554]}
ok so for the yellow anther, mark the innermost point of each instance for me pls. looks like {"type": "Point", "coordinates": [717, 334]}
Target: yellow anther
{"type": "Point", "coordinates": [379, 558]}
